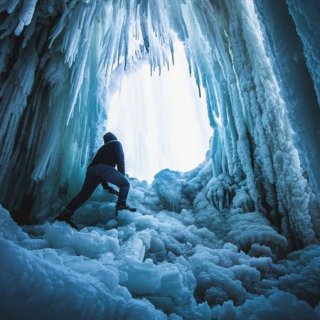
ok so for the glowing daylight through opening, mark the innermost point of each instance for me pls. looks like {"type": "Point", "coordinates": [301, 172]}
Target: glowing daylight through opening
{"type": "Point", "coordinates": [160, 120]}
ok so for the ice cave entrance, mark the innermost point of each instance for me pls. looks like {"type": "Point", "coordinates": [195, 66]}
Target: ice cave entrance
{"type": "Point", "coordinates": [160, 119]}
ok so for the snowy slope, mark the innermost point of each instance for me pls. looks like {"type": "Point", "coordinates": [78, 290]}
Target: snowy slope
{"type": "Point", "coordinates": [157, 263]}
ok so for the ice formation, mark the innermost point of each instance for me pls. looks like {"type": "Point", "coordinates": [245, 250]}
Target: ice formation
{"type": "Point", "coordinates": [193, 263]}
{"type": "Point", "coordinates": [235, 238]}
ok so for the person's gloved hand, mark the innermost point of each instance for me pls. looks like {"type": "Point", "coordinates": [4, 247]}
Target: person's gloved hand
{"type": "Point", "coordinates": [111, 190]}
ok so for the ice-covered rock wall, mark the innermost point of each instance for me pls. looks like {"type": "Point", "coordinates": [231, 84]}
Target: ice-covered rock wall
{"type": "Point", "coordinates": [57, 64]}
{"type": "Point", "coordinates": [253, 143]}
{"type": "Point", "coordinates": [50, 109]}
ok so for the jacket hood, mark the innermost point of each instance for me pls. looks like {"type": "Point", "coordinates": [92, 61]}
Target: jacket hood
{"type": "Point", "coordinates": [109, 137]}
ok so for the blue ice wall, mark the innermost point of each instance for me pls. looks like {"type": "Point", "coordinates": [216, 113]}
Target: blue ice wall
{"type": "Point", "coordinates": [306, 15]}
{"type": "Point", "coordinates": [296, 75]}
{"type": "Point", "coordinates": [51, 113]}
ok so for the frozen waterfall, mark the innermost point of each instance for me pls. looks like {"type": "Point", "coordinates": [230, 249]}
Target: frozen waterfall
{"type": "Point", "coordinates": [236, 237]}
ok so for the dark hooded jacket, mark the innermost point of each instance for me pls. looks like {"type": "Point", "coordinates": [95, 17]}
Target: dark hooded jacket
{"type": "Point", "coordinates": [111, 153]}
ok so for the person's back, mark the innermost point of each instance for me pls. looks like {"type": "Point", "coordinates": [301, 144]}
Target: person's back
{"type": "Point", "coordinates": [111, 153]}
{"type": "Point", "coordinates": [102, 170]}
{"type": "Point", "coordinates": [107, 154]}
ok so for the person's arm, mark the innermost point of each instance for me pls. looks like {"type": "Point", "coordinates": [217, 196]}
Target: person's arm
{"type": "Point", "coordinates": [120, 158]}
{"type": "Point", "coordinates": [105, 184]}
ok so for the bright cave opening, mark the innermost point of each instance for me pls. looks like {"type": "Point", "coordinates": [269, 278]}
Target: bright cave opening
{"type": "Point", "coordinates": [161, 120]}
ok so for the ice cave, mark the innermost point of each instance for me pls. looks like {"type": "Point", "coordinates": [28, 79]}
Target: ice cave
{"type": "Point", "coordinates": [235, 236]}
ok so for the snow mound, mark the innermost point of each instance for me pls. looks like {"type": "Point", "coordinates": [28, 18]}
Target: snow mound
{"type": "Point", "coordinates": [156, 264]}
{"type": "Point", "coordinates": [247, 229]}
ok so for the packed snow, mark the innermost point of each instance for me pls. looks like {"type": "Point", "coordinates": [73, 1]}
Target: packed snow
{"type": "Point", "coordinates": [177, 257]}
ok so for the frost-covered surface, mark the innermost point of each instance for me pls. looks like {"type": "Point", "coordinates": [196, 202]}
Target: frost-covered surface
{"type": "Point", "coordinates": [305, 16]}
{"type": "Point", "coordinates": [297, 84]}
{"type": "Point", "coordinates": [172, 259]}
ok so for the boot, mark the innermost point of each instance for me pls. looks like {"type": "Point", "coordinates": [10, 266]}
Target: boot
{"type": "Point", "coordinates": [65, 215]}
{"type": "Point", "coordinates": [124, 207]}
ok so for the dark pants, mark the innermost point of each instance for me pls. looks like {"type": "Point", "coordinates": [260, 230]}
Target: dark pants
{"type": "Point", "coordinates": [97, 174]}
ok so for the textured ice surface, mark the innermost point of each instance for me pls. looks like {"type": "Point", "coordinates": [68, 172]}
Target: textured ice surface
{"type": "Point", "coordinates": [194, 263]}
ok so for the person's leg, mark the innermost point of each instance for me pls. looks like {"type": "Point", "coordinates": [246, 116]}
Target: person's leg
{"type": "Point", "coordinates": [108, 188]}
{"type": "Point", "coordinates": [115, 177]}
{"type": "Point", "coordinates": [104, 184]}
{"type": "Point", "coordinates": [90, 184]}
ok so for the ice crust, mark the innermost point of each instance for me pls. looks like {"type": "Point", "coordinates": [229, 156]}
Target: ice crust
{"type": "Point", "coordinates": [157, 263]}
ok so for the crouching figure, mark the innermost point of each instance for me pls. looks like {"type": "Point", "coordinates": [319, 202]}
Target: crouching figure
{"type": "Point", "coordinates": [101, 171]}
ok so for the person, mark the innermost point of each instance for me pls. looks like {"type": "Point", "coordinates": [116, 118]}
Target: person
{"type": "Point", "coordinates": [101, 171]}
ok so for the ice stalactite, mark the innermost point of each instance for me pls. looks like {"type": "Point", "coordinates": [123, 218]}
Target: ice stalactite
{"type": "Point", "coordinates": [40, 107]}
{"type": "Point", "coordinates": [53, 107]}
{"type": "Point", "coordinates": [253, 140]}
{"type": "Point", "coordinates": [296, 82]}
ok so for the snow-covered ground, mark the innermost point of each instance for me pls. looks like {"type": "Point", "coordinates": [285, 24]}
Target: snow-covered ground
{"type": "Point", "coordinates": [177, 257]}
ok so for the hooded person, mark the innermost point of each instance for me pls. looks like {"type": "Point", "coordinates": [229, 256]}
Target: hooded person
{"type": "Point", "coordinates": [101, 171]}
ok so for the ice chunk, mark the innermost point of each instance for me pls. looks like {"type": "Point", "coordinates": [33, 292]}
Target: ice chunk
{"type": "Point", "coordinates": [75, 296]}
{"type": "Point", "coordinates": [87, 243]}
{"type": "Point", "coordinates": [254, 229]}
{"type": "Point", "coordinates": [166, 280]}
{"type": "Point", "coordinates": [279, 305]}
{"type": "Point", "coordinates": [168, 186]}
{"type": "Point", "coordinates": [303, 278]}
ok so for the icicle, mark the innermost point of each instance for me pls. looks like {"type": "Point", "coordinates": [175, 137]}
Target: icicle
{"type": "Point", "coordinates": [26, 15]}
{"type": "Point", "coordinates": [10, 5]}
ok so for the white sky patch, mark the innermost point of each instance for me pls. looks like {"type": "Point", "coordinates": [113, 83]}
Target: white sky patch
{"type": "Point", "coordinates": [160, 120]}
